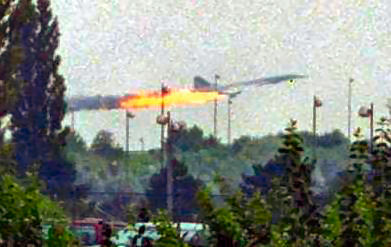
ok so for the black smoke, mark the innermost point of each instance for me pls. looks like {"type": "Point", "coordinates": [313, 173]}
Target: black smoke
{"type": "Point", "coordinates": [97, 102]}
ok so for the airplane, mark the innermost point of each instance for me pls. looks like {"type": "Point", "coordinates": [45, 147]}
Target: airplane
{"type": "Point", "coordinates": [202, 85]}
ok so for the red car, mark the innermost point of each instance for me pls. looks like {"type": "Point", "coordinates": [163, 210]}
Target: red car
{"type": "Point", "coordinates": [89, 230]}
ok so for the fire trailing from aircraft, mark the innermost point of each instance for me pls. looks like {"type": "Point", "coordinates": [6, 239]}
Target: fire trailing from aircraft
{"type": "Point", "coordinates": [172, 97]}
{"type": "Point", "coordinates": [142, 100]}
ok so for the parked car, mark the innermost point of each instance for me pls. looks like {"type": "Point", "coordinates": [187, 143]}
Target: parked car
{"type": "Point", "coordinates": [194, 234]}
{"type": "Point", "coordinates": [125, 236]}
{"type": "Point", "coordinates": [86, 230]}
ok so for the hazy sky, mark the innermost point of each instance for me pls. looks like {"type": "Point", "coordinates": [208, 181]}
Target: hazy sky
{"type": "Point", "coordinates": [121, 46]}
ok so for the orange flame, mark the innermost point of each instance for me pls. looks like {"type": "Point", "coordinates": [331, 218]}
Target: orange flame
{"type": "Point", "coordinates": [174, 97]}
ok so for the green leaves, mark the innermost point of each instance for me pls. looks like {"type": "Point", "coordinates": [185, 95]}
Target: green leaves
{"type": "Point", "coordinates": [59, 235]}
{"type": "Point", "coordinates": [169, 235]}
{"type": "Point", "coordinates": [24, 210]}
{"type": "Point", "coordinates": [242, 222]}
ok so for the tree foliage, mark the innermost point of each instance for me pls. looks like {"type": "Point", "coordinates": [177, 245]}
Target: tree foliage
{"type": "Point", "coordinates": [104, 145]}
{"type": "Point", "coordinates": [23, 211]}
{"type": "Point", "coordinates": [37, 134]}
{"type": "Point", "coordinates": [185, 188]}
{"type": "Point", "coordinates": [169, 234]}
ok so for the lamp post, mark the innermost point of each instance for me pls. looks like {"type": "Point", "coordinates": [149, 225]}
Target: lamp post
{"type": "Point", "coordinates": [217, 77]}
{"type": "Point", "coordinates": [163, 120]}
{"type": "Point", "coordinates": [168, 156]}
{"type": "Point", "coordinates": [142, 143]}
{"type": "Point", "coordinates": [368, 113]}
{"type": "Point", "coordinates": [128, 116]}
{"type": "Point", "coordinates": [229, 120]}
{"type": "Point", "coordinates": [350, 106]}
{"type": "Point", "coordinates": [230, 97]}
{"type": "Point", "coordinates": [316, 103]}
{"type": "Point", "coordinates": [164, 91]}
{"type": "Point", "coordinates": [169, 173]}
{"type": "Point", "coordinates": [73, 121]}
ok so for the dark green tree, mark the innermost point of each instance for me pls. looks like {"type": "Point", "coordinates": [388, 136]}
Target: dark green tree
{"type": "Point", "coordinates": [348, 220]}
{"type": "Point", "coordinates": [23, 211]}
{"type": "Point", "coordinates": [169, 234]}
{"type": "Point", "coordinates": [185, 189]}
{"type": "Point", "coordinates": [241, 221]}
{"type": "Point", "coordinates": [190, 140]}
{"type": "Point", "coordinates": [380, 181]}
{"type": "Point", "coordinates": [75, 144]}
{"type": "Point", "coordinates": [10, 57]}
{"type": "Point", "coordinates": [37, 134]}
{"type": "Point", "coordinates": [104, 145]}
{"type": "Point", "coordinates": [263, 175]}
{"type": "Point", "coordinates": [301, 223]}
{"type": "Point", "coordinates": [10, 86]}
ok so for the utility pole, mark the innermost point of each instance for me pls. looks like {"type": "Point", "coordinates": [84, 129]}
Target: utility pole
{"type": "Point", "coordinates": [73, 121]}
{"type": "Point", "coordinates": [169, 173]}
{"type": "Point", "coordinates": [350, 106]}
{"type": "Point", "coordinates": [128, 116]}
{"type": "Point", "coordinates": [163, 92]}
{"type": "Point", "coordinates": [230, 97]}
{"type": "Point", "coordinates": [371, 127]}
{"type": "Point", "coordinates": [368, 113]}
{"type": "Point", "coordinates": [316, 103]}
{"type": "Point", "coordinates": [127, 132]}
{"type": "Point", "coordinates": [217, 77]}
{"type": "Point", "coordinates": [142, 143]}
{"type": "Point", "coordinates": [229, 120]}
{"type": "Point", "coordinates": [314, 126]}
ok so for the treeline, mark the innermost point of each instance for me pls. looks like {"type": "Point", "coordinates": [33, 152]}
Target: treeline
{"type": "Point", "coordinates": [114, 179]}
{"type": "Point", "coordinates": [288, 214]}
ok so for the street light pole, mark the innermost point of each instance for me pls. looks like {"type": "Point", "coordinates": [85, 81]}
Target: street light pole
{"type": "Point", "coordinates": [316, 103]}
{"type": "Point", "coordinates": [169, 173]}
{"type": "Point", "coordinates": [229, 120]}
{"type": "Point", "coordinates": [127, 132]}
{"type": "Point", "coordinates": [230, 97]}
{"type": "Point", "coordinates": [314, 126]}
{"type": "Point", "coordinates": [142, 143]}
{"type": "Point", "coordinates": [217, 77]}
{"type": "Point", "coordinates": [128, 115]}
{"type": "Point", "coordinates": [350, 106]}
{"type": "Point", "coordinates": [368, 113]}
{"type": "Point", "coordinates": [163, 92]}
{"type": "Point", "coordinates": [371, 127]}
{"type": "Point", "coordinates": [73, 121]}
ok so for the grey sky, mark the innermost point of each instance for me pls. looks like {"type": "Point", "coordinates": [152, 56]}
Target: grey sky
{"type": "Point", "coordinates": [119, 46]}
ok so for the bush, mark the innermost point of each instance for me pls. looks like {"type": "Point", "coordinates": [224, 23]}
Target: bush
{"type": "Point", "coordinates": [24, 210]}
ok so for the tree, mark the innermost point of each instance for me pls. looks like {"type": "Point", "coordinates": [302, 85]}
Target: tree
{"type": "Point", "coordinates": [168, 234]}
{"type": "Point", "coordinates": [30, 118]}
{"type": "Point", "coordinates": [302, 218]}
{"type": "Point", "coordinates": [351, 213]}
{"type": "Point", "coordinates": [190, 140]}
{"type": "Point", "coordinates": [262, 178]}
{"type": "Point", "coordinates": [241, 221]}
{"type": "Point", "coordinates": [103, 145]}
{"type": "Point", "coordinates": [75, 144]}
{"type": "Point", "coordinates": [10, 57]}
{"type": "Point", "coordinates": [185, 189]}
{"type": "Point", "coordinates": [37, 134]}
{"type": "Point", "coordinates": [380, 181]}
{"type": "Point", "coordinates": [24, 210]}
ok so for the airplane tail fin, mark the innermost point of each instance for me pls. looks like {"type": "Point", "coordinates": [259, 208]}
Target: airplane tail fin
{"type": "Point", "coordinates": [201, 84]}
